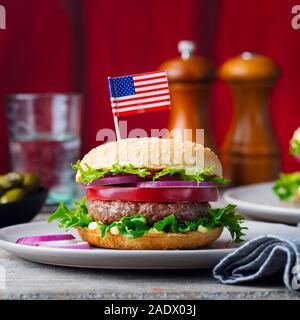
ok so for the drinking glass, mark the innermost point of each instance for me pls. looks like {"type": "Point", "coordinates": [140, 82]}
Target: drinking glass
{"type": "Point", "coordinates": [44, 138]}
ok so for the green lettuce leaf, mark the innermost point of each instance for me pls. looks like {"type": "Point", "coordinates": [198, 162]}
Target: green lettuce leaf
{"type": "Point", "coordinates": [196, 175]}
{"type": "Point", "coordinates": [224, 217]}
{"type": "Point", "coordinates": [187, 175]}
{"type": "Point", "coordinates": [129, 169]}
{"type": "Point", "coordinates": [295, 147]}
{"type": "Point", "coordinates": [136, 225]}
{"type": "Point", "coordinates": [130, 227]}
{"type": "Point", "coordinates": [287, 186]}
{"type": "Point", "coordinates": [88, 174]}
{"type": "Point", "coordinates": [68, 218]}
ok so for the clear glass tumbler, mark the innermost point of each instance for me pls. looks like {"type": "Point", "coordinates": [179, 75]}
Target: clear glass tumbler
{"type": "Point", "coordinates": [44, 137]}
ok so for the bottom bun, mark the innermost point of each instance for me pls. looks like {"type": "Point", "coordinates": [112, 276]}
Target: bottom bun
{"type": "Point", "coordinates": [151, 241]}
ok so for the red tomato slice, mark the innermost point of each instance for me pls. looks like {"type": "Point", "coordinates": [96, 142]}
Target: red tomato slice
{"type": "Point", "coordinates": [152, 194]}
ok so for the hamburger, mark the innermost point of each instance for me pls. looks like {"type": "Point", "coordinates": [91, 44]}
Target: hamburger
{"type": "Point", "coordinates": [149, 194]}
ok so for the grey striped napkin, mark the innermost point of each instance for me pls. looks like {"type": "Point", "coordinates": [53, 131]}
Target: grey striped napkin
{"type": "Point", "coordinates": [260, 257]}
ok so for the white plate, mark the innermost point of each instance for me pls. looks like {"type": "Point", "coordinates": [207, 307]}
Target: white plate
{"type": "Point", "coordinates": [123, 259]}
{"type": "Point", "coordinates": [257, 201]}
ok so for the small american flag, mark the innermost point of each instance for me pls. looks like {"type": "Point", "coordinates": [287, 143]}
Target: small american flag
{"type": "Point", "coordinates": [139, 93]}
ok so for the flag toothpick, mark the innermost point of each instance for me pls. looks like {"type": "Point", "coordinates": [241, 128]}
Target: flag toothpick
{"type": "Point", "coordinates": [139, 93]}
{"type": "Point", "coordinates": [117, 128]}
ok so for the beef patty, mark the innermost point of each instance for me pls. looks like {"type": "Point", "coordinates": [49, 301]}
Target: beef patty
{"type": "Point", "coordinates": [109, 211]}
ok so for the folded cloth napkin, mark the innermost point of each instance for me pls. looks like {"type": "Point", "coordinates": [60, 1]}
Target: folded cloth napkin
{"type": "Point", "coordinates": [260, 257]}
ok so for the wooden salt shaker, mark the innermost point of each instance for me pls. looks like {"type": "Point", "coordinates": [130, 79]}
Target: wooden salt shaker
{"type": "Point", "coordinates": [190, 79]}
{"type": "Point", "coordinates": [250, 153]}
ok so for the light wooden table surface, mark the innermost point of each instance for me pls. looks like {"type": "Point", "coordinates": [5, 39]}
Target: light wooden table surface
{"type": "Point", "coordinates": [27, 280]}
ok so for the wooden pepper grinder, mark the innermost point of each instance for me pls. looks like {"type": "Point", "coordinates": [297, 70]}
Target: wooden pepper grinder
{"type": "Point", "coordinates": [250, 152]}
{"type": "Point", "coordinates": [190, 79]}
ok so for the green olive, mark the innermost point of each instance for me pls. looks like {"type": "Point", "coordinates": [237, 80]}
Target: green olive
{"type": "Point", "coordinates": [31, 182]}
{"type": "Point", "coordinates": [11, 180]}
{"type": "Point", "coordinates": [12, 195]}
{"type": "Point", "coordinates": [15, 178]}
{"type": "Point", "coordinates": [4, 183]}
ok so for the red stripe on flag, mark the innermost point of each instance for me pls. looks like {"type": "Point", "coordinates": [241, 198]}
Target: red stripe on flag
{"type": "Point", "coordinates": [152, 84]}
{"type": "Point", "coordinates": [138, 111]}
{"type": "Point", "coordinates": [150, 90]}
{"type": "Point", "coordinates": [154, 90]}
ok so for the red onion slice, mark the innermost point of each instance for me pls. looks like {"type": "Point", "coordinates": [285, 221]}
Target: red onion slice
{"type": "Point", "coordinates": [68, 244]}
{"type": "Point", "coordinates": [177, 184]}
{"type": "Point", "coordinates": [32, 240]}
{"type": "Point", "coordinates": [120, 179]}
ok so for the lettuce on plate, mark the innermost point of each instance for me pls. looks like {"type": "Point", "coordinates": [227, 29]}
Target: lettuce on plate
{"type": "Point", "coordinates": [287, 186]}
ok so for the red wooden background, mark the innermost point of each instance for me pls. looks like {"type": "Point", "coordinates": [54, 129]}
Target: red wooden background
{"type": "Point", "coordinates": [74, 45]}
